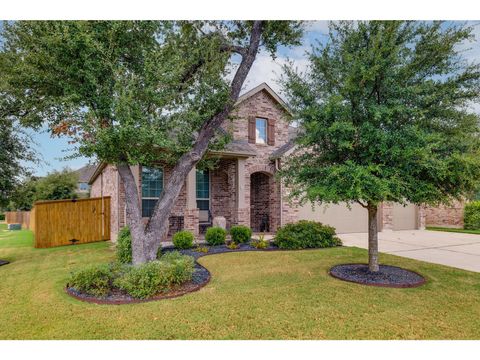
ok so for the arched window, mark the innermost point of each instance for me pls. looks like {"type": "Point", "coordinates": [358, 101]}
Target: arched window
{"type": "Point", "coordinates": [152, 187]}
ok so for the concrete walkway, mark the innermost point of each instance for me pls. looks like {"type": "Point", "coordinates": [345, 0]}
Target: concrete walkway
{"type": "Point", "coordinates": [452, 249]}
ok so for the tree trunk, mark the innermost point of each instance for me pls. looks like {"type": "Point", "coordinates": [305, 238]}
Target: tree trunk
{"type": "Point", "coordinates": [372, 238]}
{"type": "Point", "coordinates": [146, 239]}
{"type": "Point", "coordinates": [133, 214]}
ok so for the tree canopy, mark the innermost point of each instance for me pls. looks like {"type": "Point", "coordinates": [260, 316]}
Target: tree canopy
{"type": "Point", "coordinates": [56, 185]}
{"type": "Point", "coordinates": [122, 89]}
{"type": "Point", "coordinates": [384, 111]}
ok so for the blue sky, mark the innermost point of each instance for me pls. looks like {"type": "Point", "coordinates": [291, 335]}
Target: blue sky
{"type": "Point", "coordinates": [53, 150]}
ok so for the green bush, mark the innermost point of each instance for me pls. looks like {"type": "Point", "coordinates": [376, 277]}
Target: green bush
{"type": "Point", "coordinates": [124, 246]}
{"type": "Point", "coordinates": [215, 236]}
{"type": "Point", "coordinates": [183, 239]}
{"type": "Point", "coordinates": [240, 234]}
{"type": "Point", "coordinates": [306, 234]}
{"type": "Point", "coordinates": [95, 280]}
{"type": "Point", "coordinates": [471, 215]}
{"type": "Point", "coordinates": [148, 279]}
{"type": "Point", "coordinates": [2, 217]}
{"type": "Point", "coordinates": [260, 243]}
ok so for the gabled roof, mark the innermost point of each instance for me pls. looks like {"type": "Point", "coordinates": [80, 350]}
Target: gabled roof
{"type": "Point", "coordinates": [269, 90]}
{"type": "Point", "coordinates": [238, 148]}
{"type": "Point", "coordinates": [85, 173]}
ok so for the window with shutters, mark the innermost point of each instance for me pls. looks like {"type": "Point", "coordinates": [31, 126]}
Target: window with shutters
{"type": "Point", "coordinates": [261, 131]}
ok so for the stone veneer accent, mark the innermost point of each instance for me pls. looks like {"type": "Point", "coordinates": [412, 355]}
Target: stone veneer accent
{"type": "Point", "coordinates": [445, 215]}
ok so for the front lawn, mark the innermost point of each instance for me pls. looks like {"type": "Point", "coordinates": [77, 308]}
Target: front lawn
{"type": "Point", "coordinates": [438, 228]}
{"type": "Point", "coordinates": [252, 295]}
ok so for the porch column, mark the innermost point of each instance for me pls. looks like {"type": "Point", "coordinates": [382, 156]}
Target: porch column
{"type": "Point", "coordinates": [191, 211]}
{"type": "Point", "coordinates": [243, 211]}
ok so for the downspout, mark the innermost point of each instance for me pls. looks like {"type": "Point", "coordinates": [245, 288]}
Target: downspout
{"type": "Point", "coordinates": [277, 167]}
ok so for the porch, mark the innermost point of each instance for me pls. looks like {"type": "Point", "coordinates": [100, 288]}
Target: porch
{"type": "Point", "coordinates": [236, 191]}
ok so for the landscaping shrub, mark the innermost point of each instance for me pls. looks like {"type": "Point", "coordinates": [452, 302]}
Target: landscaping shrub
{"type": "Point", "coordinates": [306, 234]}
{"type": "Point", "coordinates": [2, 217]}
{"type": "Point", "coordinates": [95, 280]}
{"type": "Point", "coordinates": [148, 279]}
{"type": "Point", "coordinates": [183, 239]}
{"type": "Point", "coordinates": [124, 246]}
{"type": "Point", "coordinates": [240, 234]}
{"type": "Point", "coordinates": [232, 245]}
{"type": "Point", "coordinates": [471, 215]}
{"type": "Point", "coordinates": [260, 243]}
{"type": "Point", "coordinates": [215, 236]}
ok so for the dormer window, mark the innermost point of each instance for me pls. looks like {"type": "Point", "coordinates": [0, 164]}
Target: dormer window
{"type": "Point", "coordinates": [260, 131]}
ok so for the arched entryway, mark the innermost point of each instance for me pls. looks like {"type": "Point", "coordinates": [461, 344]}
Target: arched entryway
{"type": "Point", "coordinates": [261, 186]}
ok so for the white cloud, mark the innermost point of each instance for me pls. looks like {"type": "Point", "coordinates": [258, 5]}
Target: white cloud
{"type": "Point", "coordinates": [318, 26]}
{"type": "Point", "coordinates": [267, 70]}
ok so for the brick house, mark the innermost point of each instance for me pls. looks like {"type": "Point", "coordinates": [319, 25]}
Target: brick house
{"type": "Point", "coordinates": [243, 189]}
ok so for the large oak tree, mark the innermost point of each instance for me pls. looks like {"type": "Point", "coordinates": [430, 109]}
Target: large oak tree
{"type": "Point", "coordinates": [384, 115]}
{"type": "Point", "coordinates": [136, 92]}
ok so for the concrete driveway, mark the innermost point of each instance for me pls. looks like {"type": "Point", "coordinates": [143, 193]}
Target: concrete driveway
{"type": "Point", "coordinates": [452, 249]}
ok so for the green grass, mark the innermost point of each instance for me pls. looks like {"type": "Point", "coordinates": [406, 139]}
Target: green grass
{"type": "Point", "coordinates": [259, 295]}
{"type": "Point", "coordinates": [438, 228]}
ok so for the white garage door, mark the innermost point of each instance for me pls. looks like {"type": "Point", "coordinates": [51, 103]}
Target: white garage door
{"type": "Point", "coordinates": [338, 216]}
{"type": "Point", "coordinates": [404, 217]}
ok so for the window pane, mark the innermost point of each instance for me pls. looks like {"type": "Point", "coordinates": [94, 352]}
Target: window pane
{"type": "Point", "coordinates": [203, 204]}
{"type": "Point", "coordinates": [203, 184]}
{"type": "Point", "coordinates": [261, 131]}
{"type": "Point", "coordinates": [147, 207]}
{"type": "Point", "coordinates": [152, 182]}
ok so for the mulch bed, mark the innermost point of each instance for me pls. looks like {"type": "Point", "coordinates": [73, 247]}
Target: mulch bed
{"type": "Point", "coordinates": [4, 262]}
{"type": "Point", "coordinates": [200, 278]}
{"type": "Point", "coordinates": [387, 276]}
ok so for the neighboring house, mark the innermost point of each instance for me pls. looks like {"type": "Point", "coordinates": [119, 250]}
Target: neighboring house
{"type": "Point", "coordinates": [84, 174]}
{"type": "Point", "coordinates": [243, 188]}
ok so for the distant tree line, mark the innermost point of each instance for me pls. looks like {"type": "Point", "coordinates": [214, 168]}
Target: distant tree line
{"type": "Point", "coordinates": [55, 186]}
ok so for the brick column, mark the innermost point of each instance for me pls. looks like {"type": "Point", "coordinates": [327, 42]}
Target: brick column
{"type": "Point", "coordinates": [387, 216]}
{"type": "Point", "coordinates": [242, 210]}
{"type": "Point", "coordinates": [421, 217]}
{"type": "Point", "coordinates": [190, 221]}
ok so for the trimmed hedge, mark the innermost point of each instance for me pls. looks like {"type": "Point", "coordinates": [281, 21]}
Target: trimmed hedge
{"type": "Point", "coordinates": [306, 234]}
{"type": "Point", "coordinates": [240, 234]}
{"type": "Point", "coordinates": [215, 236]}
{"type": "Point", "coordinates": [2, 217]}
{"type": "Point", "coordinates": [183, 239]}
{"type": "Point", "coordinates": [471, 216]}
{"type": "Point", "coordinates": [124, 246]}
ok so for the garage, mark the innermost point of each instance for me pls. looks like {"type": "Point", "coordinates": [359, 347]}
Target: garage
{"type": "Point", "coordinates": [404, 217]}
{"type": "Point", "coordinates": [343, 219]}
{"type": "Point", "coordinates": [355, 219]}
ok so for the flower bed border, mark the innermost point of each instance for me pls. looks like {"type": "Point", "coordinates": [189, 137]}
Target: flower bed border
{"type": "Point", "coordinates": [386, 285]}
{"type": "Point", "coordinates": [4, 262]}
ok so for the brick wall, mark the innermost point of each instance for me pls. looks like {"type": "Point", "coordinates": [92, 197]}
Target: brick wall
{"type": "Point", "coordinates": [264, 106]}
{"type": "Point", "coordinates": [107, 185]}
{"type": "Point", "coordinates": [222, 194]}
{"type": "Point", "coordinates": [445, 215]}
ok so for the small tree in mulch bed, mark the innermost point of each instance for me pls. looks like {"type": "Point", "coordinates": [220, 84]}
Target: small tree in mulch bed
{"type": "Point", "coordinates": [384, 116]}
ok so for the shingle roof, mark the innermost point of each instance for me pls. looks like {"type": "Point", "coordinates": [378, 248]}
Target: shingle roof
{"type": "Point", "coordinates": [85, 173]}
{"type": "Point", "coordinates": [237, 147]}
{"type": "Point", "coordinates": [282, 150]}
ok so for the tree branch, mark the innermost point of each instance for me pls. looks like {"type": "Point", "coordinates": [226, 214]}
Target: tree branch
{"type": "Point", "coordinates": [187, 161]}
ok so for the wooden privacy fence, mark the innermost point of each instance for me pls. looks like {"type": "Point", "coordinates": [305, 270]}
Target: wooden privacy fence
{"type": "Point", "coordinates": [18, 217]}
{"type": "Point", "coordinates": [63, 222]}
